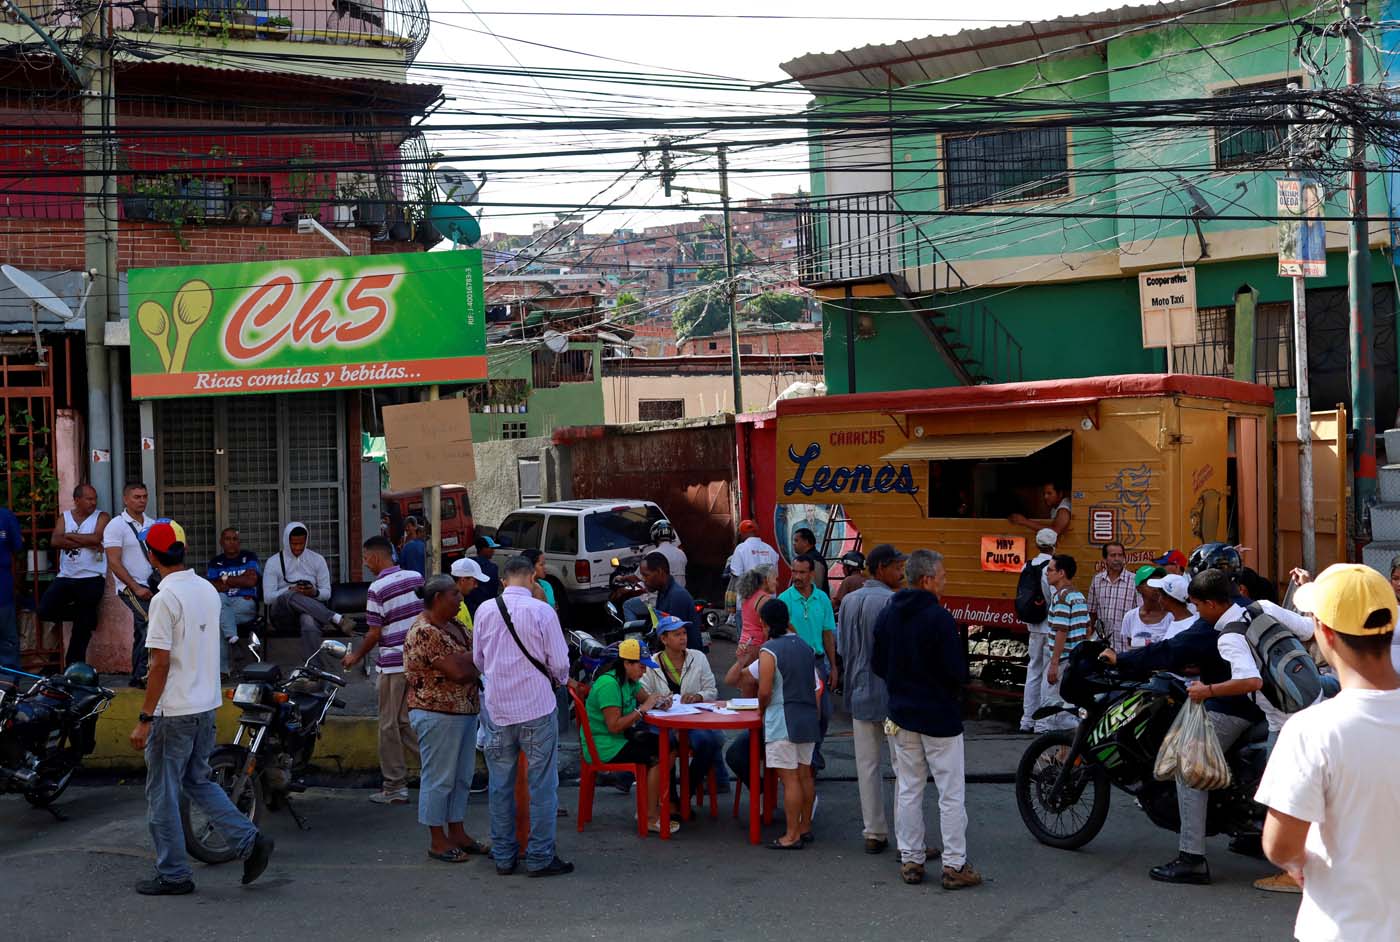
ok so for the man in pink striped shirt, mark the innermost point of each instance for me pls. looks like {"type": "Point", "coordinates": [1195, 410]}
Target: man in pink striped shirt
{"type": "Point", "coordinates": [389, 613]}
{"type": "Point", "coordinates": [519, 648]}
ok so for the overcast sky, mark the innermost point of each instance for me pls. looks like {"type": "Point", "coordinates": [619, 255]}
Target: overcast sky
{"type": "Point", "coordinates": [488, 33]}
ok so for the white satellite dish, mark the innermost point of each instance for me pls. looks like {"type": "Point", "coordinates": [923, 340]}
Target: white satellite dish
{"type": "Point", "coordinates": [555, 341]}
{"type": "Point", "coordinates": [457, 187]}
{"type": "Point", "coordinates": [37, 292]}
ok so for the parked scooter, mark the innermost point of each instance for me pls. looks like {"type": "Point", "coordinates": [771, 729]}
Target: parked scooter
{"type": "Point", "coordinates": [277, 735]}
{"type": "Point", "coordinates": [46, 730]}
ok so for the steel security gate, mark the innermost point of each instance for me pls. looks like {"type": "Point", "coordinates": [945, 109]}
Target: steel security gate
{"type": "Point", "coordinates": [255, 463]}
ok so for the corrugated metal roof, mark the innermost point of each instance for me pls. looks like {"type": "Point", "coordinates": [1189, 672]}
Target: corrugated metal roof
{"type": "Point", "coordinates": [952, 447]}
{"type": "Point", "coordinates": [920, 60]}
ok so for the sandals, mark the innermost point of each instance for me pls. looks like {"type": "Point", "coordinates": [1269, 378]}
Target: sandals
{"type": "Point", "coordinates": [777, 844]}
{"type": "Point", "coordinates": [654, 827]}
{"type": "Point", "coordinates": [452, 855]}
{"type": "Point", "coordinates": [475, 847]}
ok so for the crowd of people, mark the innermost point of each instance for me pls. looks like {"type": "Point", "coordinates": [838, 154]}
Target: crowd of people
{"type": "Point", "coordinates": [476, 660]}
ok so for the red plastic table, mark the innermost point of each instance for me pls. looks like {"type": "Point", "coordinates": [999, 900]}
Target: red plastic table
{"type": "Point", "coordinates": [751, 720]}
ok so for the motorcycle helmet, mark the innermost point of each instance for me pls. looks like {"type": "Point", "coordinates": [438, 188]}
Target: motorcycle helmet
{"type": "Point", "coordinates": [662, 532]}
{"type": "Point", "coordinates": [1220, 556]}
{"type": "Point", "coordinates": [81, 674]}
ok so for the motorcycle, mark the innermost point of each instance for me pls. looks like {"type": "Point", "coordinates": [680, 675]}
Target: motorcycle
{"type": "Point", "coordinates": [46, 730]}
{"type": "Point", "coordinates": [277, 733]}
{"type": "Point", "coordinates": [1064, 776]}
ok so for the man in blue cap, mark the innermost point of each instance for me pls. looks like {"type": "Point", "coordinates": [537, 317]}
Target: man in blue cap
{"type": "Point", "coordinates": [490, 587]}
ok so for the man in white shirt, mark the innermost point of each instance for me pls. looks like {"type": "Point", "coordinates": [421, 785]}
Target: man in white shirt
{"type": "Point", "coordinates": [131, 572]}
{"type": "Point", "coordinates": [176, 724]}
{"type": "Point", "coordinates": [1175, 599]}
{"type": "Point", "coordinates": [663, 541]}
{"type": "Point", "coordinates": [1333, 782]}
{"type": "Point", "coordinates": [1038, 637]}
{"type": "Point", "coordinates": [751, 551]}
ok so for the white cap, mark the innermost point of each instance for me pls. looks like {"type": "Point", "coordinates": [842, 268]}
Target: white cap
{"type": "Point", "coordinates": [1046, 537]}
{"type": "Point", "coordinates": [467, 568]}
{"type": "Point", "coordinates": [1174, 585]}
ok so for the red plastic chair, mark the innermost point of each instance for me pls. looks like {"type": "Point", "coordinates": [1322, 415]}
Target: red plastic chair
{"type": "Point", "coordinates": [591, 766]}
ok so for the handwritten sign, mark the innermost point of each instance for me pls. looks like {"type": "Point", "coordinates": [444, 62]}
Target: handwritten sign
{"type": "Point", "coordinates": [1003, 553]}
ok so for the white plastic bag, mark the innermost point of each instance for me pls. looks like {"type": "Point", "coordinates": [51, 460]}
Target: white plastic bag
{"type": "Point", "coordinates": [1191, 751]}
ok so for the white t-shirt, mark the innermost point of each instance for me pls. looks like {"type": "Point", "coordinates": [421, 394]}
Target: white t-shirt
{"type": "Point", "coordinates": [674, 555]}
{"type": "Point", "coordinates": [1137, 633]}
{"type": "Point", "coordinates": [1337, 765]}
{"type": "Point", "coordinates": [119, 535]}
{"type": "Point", "coordinates": [1062, 505]}
{"type": "Point", "coordinates": [750, 553]}
{"type": "Point", "coordinates": [1177, 627]}
{"type": "Point", "coordinates": [184, 620]}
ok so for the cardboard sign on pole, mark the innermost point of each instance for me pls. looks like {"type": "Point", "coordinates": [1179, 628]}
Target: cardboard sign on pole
{"type": "Point", "coordinates": [429, 443]}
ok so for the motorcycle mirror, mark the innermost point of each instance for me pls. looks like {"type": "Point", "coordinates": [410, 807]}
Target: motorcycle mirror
{"type": "Point", "coordinates": [336, 649]}
{"type": "Point", "coordinates": [612, 607]}
{"type": "Point", "coordinates": [255, 645]}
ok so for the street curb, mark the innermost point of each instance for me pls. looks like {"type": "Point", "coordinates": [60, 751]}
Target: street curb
{"type": "Point", "coordinates": [348, 744]}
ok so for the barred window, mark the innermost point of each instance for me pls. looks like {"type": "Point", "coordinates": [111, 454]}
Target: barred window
{"type": "Point", "coordinates": [513, 430]}
{"type": "Point", "coordinates": [1213, 354]}
{"type": "Point", "coordinates": [655, 410]}
{"type": "Point", "coordinates": [1238, 142]}
{"type": "Point", "coordinates": [1022, 163]}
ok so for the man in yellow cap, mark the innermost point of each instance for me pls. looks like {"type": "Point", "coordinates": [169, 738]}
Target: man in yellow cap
{"type": "Point", "coordinates": [1333, 782]}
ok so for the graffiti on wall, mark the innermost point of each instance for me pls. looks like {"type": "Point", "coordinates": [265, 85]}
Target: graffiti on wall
{"type": "Point", "coordinates": [1130, 506]}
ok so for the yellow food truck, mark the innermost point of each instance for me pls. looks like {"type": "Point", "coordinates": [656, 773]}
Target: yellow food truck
{"type": "Point", "coordinates": [1155, 462]}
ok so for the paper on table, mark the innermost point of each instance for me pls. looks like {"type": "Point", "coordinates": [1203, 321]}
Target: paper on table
{"type": "Point", "coordinates": [744, 703]}
{"type": "Point", "coordinates": [677, 709]}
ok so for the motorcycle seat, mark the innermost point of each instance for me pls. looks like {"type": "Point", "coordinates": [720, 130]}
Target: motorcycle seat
{"type": "Point", "coordinates": [592, 648]}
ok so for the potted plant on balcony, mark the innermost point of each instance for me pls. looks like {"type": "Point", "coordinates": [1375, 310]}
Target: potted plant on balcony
{"type": "Point", "coordinates": [275, 27]}
{"type": "Point", "coordinates": [308, 186]}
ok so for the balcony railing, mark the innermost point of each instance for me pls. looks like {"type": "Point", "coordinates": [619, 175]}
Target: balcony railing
{"type": "Point", "coordinates": [868, 237]}
{"type": "Point", "coordinates": [396, 24]}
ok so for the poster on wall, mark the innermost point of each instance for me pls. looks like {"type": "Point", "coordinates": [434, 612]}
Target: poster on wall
{"type": "Point", "coordinates": [307, 324]}
{"type": "Point", "coordinates": [1302, 233]}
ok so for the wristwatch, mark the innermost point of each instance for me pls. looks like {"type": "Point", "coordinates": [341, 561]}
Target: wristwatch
{"type": "Point", "coordinates": [144, 718]}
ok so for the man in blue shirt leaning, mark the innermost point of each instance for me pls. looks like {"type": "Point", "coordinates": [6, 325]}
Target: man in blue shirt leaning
{"type": "Point", "coordinates": [815, 621]}
{"type": "Point", "coordinates": [235, 573]}
{"type": "Point", "coordinates": [414, 554]}
{"type": "Point", "coordinates": [11, 575]}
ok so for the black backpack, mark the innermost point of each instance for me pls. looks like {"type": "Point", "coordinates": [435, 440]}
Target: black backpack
{"type": "Point", "coordinates": [1031, 607]}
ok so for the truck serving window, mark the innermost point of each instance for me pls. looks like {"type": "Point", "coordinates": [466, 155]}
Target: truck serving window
{"type": "Point", "coordinates": [990, 476]}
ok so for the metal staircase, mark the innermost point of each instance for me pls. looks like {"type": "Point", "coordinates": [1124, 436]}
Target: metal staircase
{"type": "Point", "coordinates": [976, 346]}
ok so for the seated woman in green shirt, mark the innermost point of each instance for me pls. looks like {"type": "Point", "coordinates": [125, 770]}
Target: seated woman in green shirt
{"type": "Point", "coordinates": [615, 714]}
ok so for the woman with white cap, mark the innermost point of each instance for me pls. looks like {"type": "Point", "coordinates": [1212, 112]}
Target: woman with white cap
{"type": "Point", "coordinates": [468, 575]}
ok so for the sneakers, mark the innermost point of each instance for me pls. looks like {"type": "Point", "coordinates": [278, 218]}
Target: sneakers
{"type": "Point", "coordinates": [876, 845]}
{"type": "Point", "coordinates": [256, 861]}
{"type": "Point", "coordinates": [556, 868]}
{"type": "Point", "coordinates": [1027, 727]}
{"type": "Point", "coordinates": [961, 878]}
{"type": "Point", "coordinates": [1186, 868]}
{"type": "Point", "coordinates": [397, 796]}
{"type": "Point", "coordinates": [1278, 883]}
{"type": "Point", "coordinates": [159, 886]}
{"type": "Point", "coordinates": [911, 873]}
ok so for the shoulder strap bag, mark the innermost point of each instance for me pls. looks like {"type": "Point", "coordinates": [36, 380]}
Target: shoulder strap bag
{"type": "Point", "coordinates": [153, 580]}
{"type": "Point", "coordinates": [510, 625]}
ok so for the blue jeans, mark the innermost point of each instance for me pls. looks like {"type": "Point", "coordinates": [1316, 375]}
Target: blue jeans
{"type": "Point", "coordinates": [538, 739]}
{"type": "Point", "coordinates": [824, 671]}
{"type": "Point", "coordinates": [139, 609]}
{"type": "Point", "coordinates": [177, 759]}
{"type": "Point", "coordinates": [233, 611]}
{"type": "Point", "coordinates": [9, 637]}
{"type": "Point", "coordinates": [447, 748]}
{"type": "Point", "coordinates": [706, 749]}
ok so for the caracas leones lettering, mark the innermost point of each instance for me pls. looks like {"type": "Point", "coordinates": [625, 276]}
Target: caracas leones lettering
{"type": "Point", "coordinates": [861, 479]}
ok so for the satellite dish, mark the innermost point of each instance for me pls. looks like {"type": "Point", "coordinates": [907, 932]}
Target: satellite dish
{"type": "Point", "coordinates": [555, 341]}
{"type": "Point", "coordinates": [455, 222]}
{"type": "Point", "coordinates": [37, 292]}
{"type": "Point", "coordinates": [458, 187]}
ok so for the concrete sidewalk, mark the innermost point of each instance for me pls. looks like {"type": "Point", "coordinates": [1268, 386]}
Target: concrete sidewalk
{"type": "Point", "coordinates": [349, 749]}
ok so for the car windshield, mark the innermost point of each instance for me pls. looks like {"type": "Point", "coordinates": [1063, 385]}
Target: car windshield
{"type": "Point", "coordinates": [619, 528]}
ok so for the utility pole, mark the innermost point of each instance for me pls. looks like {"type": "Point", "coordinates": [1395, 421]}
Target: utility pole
{"type": "Point", "coordinates": [730, 290]}
{"type": "Point", "coordinates": [1363, 380]}
{"type": "Point", "coordinates": [1307, 520]}
{"type": "Point", "coordinates": [667, 177]}
{"type": "Point", "coordinates": [100, 238]}
{"type": "Point", "coordinates": [432, 509]}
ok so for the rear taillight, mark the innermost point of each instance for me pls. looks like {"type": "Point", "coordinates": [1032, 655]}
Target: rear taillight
{"type": "Point", "coordinates": [582, 571]}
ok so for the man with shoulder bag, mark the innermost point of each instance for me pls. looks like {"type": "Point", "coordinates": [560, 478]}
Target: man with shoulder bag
{"type": "Point", "coordinates": [133, 577]}
{"type": "Point", "coordinates": [518, 645]}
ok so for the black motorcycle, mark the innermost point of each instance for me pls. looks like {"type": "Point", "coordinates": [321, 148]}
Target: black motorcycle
{"type": "Point", "coordinates": [46, 727]}
{"type": "Point", "coordinates": [277, 734]}
{"type": "Point", "coordinates": [1063, 779]}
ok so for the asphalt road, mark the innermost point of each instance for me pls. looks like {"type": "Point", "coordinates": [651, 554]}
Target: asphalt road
{"type": "Point", "coordinates": [361, 873]}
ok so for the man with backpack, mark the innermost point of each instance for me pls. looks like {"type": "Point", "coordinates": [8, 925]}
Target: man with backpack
{"type": "Point", "coordinates": [1033, 608]}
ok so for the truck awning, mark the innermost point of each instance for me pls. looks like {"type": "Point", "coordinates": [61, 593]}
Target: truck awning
{"type": "Point", "coordinates": [964, 447]}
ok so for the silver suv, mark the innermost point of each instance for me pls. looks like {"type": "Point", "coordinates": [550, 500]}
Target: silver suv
{"type": "Point", "coordinates": [580, 538]}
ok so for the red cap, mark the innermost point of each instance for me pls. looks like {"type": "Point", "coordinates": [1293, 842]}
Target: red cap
{"type": "Point", "coordinates": [1173, 558]}
{"type": "Point", "coordinates": [748, 528]}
